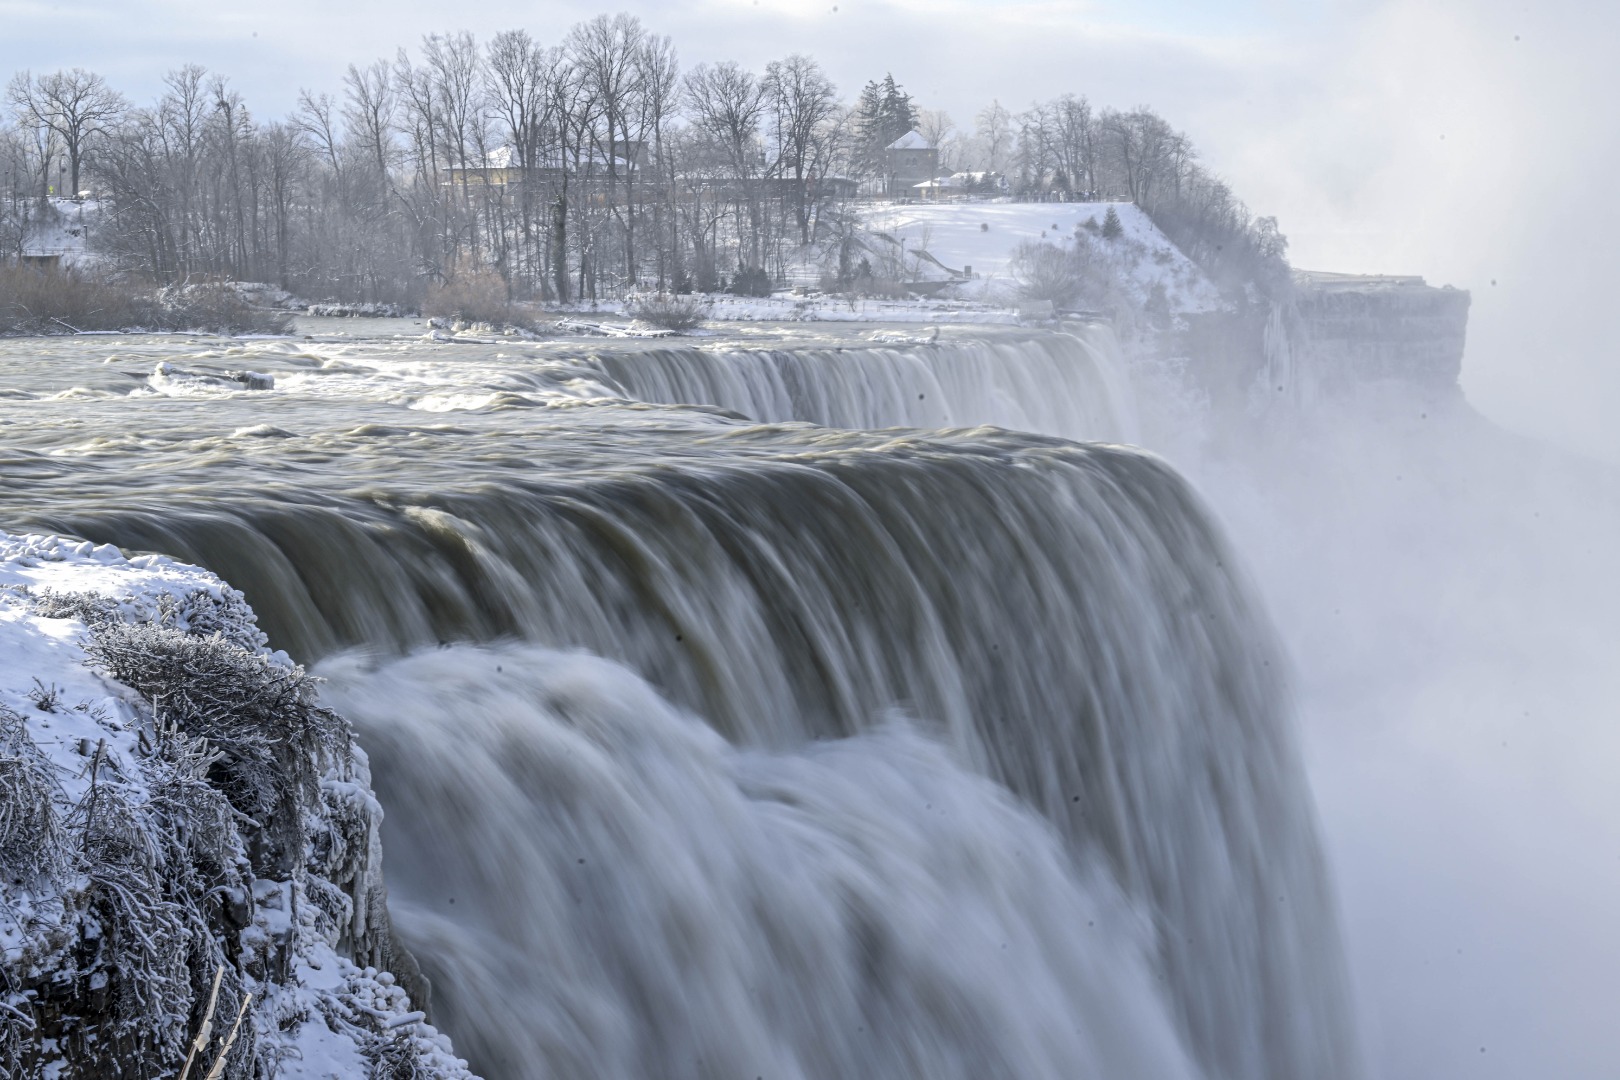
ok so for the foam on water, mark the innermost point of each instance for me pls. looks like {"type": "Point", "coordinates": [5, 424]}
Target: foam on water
{"type": "Point", "coordinates": [598, 885]}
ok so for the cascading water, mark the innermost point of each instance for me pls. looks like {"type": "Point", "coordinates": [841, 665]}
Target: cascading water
{"type": "Point", "coordinates": [627, 894]}
{"type": "Point", "coordinates": [1058, 619]}
{"type": "Point", "coordinates": [1068, 384]}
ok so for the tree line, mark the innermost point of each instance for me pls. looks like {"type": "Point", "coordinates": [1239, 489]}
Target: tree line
{"type": "Point", "coordinates": [580, 169]}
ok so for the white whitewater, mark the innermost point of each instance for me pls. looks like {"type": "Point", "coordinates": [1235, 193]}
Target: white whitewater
{"type": "Point", "coordinates": [600, 886]}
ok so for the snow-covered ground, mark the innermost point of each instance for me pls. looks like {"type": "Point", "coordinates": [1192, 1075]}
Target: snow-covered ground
{"type": "Point", "coordinates": [67, 726]}
{"type": "Point", "coordinates": [984, 236]}
{"type": "Point", "coordinates": [63, 231]}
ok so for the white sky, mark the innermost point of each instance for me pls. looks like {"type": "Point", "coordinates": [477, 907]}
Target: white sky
{"type": "Point", "coordinates": [1470, 142]}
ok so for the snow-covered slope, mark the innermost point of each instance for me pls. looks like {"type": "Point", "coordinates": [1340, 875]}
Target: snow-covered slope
{"type": "Point", "coordinates": [199, 812]}
{"type": "Point", "coordinates": [985, 235]}
{"type": "Point", "coordinates": [63, 230]}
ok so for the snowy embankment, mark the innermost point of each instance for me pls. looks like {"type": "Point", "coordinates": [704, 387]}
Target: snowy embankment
{"type": "Point", "coordinates": [985, 236]}
{"type": "Point", "coordinates": [174, 803]}
{"type": "Point", "coordinates": [960, 258]}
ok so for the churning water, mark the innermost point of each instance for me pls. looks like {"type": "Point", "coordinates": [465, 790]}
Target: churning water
{"type": "Point", "coordinates": [715, 749]}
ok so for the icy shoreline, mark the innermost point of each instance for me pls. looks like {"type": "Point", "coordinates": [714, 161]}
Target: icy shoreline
{"type": "Point", "coordinates": [135, 859]}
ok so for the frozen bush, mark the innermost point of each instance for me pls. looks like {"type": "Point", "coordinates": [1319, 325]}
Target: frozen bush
{"type": "Point", "coordinates": [1046, 273]}
{"type": "Point", "coordinates": [59, 301]}
{"type": "Point", "coordinates": [31, 843]}
{"type": "Point", "coordinates": [259, 716]}
{"type": "Point", "coordinates": [234, 787]}
{"type": "Point", "coordinates": [476, 299]}
{"type": "Point", "coordinates": [668, 312]}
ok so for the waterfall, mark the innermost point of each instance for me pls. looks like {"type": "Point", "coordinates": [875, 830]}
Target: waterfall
{"type": "Point", "coordinates": [1282, 381]}
{"type": "Point", "coordinates": [1070, 384]}
{"type": "Point", "coordinates": [802, 633]}
{"type": "Point", "coordinates": [601, 886]}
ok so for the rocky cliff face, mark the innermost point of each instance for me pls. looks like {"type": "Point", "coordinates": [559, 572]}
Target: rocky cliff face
{"type": "Point", "coordinates": [1334, 341]}
{"type": "Point", "coordinates": [1351, 334]}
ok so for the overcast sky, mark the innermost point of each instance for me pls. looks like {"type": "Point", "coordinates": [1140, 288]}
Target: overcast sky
{"type": "Point", "coordinates": [1471, 142]}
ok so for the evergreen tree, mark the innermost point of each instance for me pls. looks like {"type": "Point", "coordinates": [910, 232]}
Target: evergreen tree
{"type": "Point", "coordinates": [899, 112]}
{"type": "Point", "coordinates": [1111, 227]}
{"type": "Point", "coordinates": [883, 114]}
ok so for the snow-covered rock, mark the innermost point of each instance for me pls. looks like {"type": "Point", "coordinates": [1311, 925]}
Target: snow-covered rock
{"type": "Point", "coordinates": [176, 803]}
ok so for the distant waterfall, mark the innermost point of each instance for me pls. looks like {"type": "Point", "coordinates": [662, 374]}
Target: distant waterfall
{"type": "Point", "coordinates": [1071, 384]}
{"type": "Point", "coordinates": [1283, 380]}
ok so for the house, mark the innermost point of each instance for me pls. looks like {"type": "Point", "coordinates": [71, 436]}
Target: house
{"type": "Point", "coordinates": [908, 161]}
{"type": "Point", "coordinates": [939, 189]}
{"type": "Point", "coordinates": [502, 166]}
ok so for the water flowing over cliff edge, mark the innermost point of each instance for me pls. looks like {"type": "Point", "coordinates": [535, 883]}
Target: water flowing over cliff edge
{"type": "Point", "coordinates": [969, 739]}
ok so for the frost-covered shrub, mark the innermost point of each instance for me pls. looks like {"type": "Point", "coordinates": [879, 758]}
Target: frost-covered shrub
{"type": "Point", "coordinates": [1046, 272]}
{"type": "Point", "coordinates": [92, 609]}
{"type": "Point", "coordinates": [260, 717]}
{"type": "Point", "coordinates": [480, 298]}
{"type": "Point", "coordinates": [396, 1059]}
{"type": "Point", "coordinates": [221, 823]}
{"type": "Point", "coordinates": [31, 843]}
{"type": "Point", "coordinates": [668, 312]}
{"type": "Point", "coordinates": [152, 937]}
{"type": "Point", "coordinates": [202, 612]}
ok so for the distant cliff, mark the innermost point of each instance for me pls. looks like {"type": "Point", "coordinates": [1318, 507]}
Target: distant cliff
{"type": "Point", "coordinates": [1333, 339]}
{"type": "Point", "coordinates": [1349, 332]}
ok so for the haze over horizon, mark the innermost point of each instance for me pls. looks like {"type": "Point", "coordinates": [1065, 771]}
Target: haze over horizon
{"type": "Point", "coordinates": [1437, 138]}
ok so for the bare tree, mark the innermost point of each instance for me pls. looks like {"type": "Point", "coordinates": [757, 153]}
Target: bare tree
{"type": "Point", "coordinates": [659, 98]}
{"type": "Point", "coordinates": [369, 112]}
{"type": "Point", "coordinates": [939, 129]}
{"type": "Point", "coordinates": [518, 101]}
{"type": "Point", "coordinates": [607, 52]}
{"type": "Point", "coordinates": [727, 103]}
{"type": "Point", "coordinates": [16, 171]}
{"type": "Point", "coordinates": [801, 102]}
{"type": "Point", "coordinates": [1075, 131]}
{"type": "Point", "coordinates": [285, 160]}
{"type": "Point", "coordinates": [314, 118]}
{"type": "Point", "coordinates": [75, 106]}
{"type": "Point", "coordinates": [181, 128]}
{"type": "Point", "coordinates": [1144, 151]}
{"type": "Point", "coordinates": [455, 80]}
{"type": "Point", "coordinates": [993, 131]}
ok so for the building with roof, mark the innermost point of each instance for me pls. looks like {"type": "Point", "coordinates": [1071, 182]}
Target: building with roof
{"type": "Point", "coordinates": [908, 161]}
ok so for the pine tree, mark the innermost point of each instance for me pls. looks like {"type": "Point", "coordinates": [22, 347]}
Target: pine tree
{"type": "Point", "coordinates": [899, 112]}
{"type": "Point", "coordinates": [869, 112]}
{"type": "Point", "coordinates": [1111, 227]}
{"type": "Point", "coordinates": [883, 113]}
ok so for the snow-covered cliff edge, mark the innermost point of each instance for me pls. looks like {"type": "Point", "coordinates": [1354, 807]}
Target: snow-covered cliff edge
{"type": "Point", "coordinates": [174, 803]}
